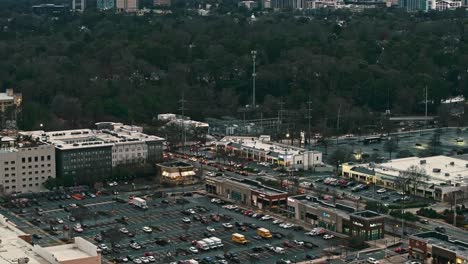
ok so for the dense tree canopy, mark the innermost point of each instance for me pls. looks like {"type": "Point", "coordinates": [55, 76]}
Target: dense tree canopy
{"type": "Point", "coordinates": [79, 68]}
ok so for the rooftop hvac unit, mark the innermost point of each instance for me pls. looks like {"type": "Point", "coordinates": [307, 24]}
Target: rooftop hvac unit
{"type": "Point", "coordinates": [436, 170]}
{"type": "Point", "coordinates": [447, 174]}
{"type": "Point", "coordinates": [452, 163]}
{"type": "Point", "coordinates": [422, 162]}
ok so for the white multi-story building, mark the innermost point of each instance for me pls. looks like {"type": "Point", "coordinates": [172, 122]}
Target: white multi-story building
{"type": "Point", "coordinates": [442, 5]}
{"type": "Point", "coordinates": [25, 165]}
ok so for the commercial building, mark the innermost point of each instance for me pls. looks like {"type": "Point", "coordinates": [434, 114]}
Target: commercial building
{"type": "Point", "coordinates": [25, 165]}
{"type": "Point", "coordinates": [247, 192]}
{"type": "Point", "coordinates": [337, 217]}
{"type": "Point", "coordinates": [17, 248]}
{"type": "Point", "coordinates": [127, 5]}
{"type": "Point", "coordinates": [434, 247]}
{"type": "Point", "coordinates": [47, 9]}
{"type": "Point", "coordinates": [105, 4]}
{"type": "Point", "coordinates": [10, 99]}
{"type": "Point", "coordinates": [183, 121]}
{"type": "Point", "coordinates": [86, 154]}
{"type": "Point", "coordinates": [263, 150]}
{"type": "Point", "coordinates": [446, 176]}
{"type": "Point", "coordinates": [176, 173]}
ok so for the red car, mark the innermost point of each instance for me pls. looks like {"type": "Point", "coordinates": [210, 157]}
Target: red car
{"type": "Point", "coordinates": [288, 244]}
{"type": "Point", "coordinates": [247, 212]}
{"type": "Point", "coordinates": [400, 250]}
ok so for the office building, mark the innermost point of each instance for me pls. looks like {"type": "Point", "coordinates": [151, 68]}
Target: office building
{"type": "Point", "coordinates": [127, 5]}
{"type": "Point", "coordinates": [247, 192]}
{"type": "Point", "coordinates": [434, 247]}
{"type": "Point", "coordinates": [262, 149]}
{"type": "Point", "coordinates": [78, 5]}
{"type": "Point", "coordinates": [337, 217]}
{"type": "Point", "coordinates": [445, 175]}
{"type": "Point", "coordinates": [25, 165]}
{"type": "Point", "coordinates": [415, 5]}
{"type": "Point", "coordinates": [17, 248]}
{"type": "Point", "coordinates": [105, 4]}
{"type": "Point", "coordinates": [10, 99]}
{"type": "Point", "coordinates": [176, 173]}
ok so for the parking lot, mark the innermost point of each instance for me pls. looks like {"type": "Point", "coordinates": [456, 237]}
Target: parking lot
{"type": "Point", "coordinates": [170, 238]}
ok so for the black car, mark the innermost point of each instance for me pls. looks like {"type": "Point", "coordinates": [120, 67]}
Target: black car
{"type": "Point", "coordinates": [384, 198]}
{"type": "Point", "coordinates": [440, 229]}
{"type": "Point", "coordinates": [37, 236]}
{"type": "Point", "coordinates": [278, 235]}
{"type": "Point", "coordinates": [258, 249]}
{"type": "Point", "coordinates": [309, 245]}
{"type": "Point", "coordinates": [238, 224]}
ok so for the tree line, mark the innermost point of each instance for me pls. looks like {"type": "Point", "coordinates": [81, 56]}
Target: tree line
{"type": "Point", "coordinates": [74, 69]}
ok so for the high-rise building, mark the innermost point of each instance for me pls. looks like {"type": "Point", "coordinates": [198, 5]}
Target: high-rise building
{"type": "Point", "coordinates": [9, 99]}
{"type": "Point", "coordinates": [105, 4]}
{"type": "Point", "coordinates": [127, 5]}
{"type": "Point", "coordinates": [78, 5]}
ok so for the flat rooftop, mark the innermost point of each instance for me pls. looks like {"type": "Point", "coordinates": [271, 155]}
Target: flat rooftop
{"type": "Point", "coordinates": [320, 204]}
{"type": "Point", "coordinates": [12, 248]}
{"type": "Point", "coordinates": [67, 252]}
{"type": "Point", "coordinates": [89, 138]}
{"type": "Point", "coordinates": [253, 185]}
{"type": "Point", "coordinates": [444, 241]}
{"type": "Point", "coordinates": [440, 169]}
{"type": "Point", "coordinates": [272, 148]}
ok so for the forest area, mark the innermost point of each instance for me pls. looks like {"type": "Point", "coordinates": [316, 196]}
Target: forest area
{"type": "Point", "coordinates": [76, 69]}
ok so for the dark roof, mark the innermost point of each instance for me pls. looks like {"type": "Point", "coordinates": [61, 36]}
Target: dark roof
{"type": "Point", "coordinates": [363, 170]}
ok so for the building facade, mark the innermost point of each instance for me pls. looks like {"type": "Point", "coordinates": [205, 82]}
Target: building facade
{"type": "Point", "coordinates": [10, 99]}
{"type": "Point", "coordinates": [25, 165]}
{"type": "Point", "coordinates": [443, 176]}
{"type": "Point", "coordinates": [176, 173]}
{"type": "Point", "coordinates": [247, 192]}
{"type": "Point", "coordinates": [105, 4]}
{"type": "Point", "coordinates": [127, 5]}
{"type": "Point", "coordinates": [263, 150]}
{"type": "Point", "coordinates": [438, 248]}
{"type": "Point", "coordinates": [85, 154]}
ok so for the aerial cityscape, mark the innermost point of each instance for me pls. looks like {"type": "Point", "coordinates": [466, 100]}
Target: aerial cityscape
{"type": "Point", "coordinates": [233, 131]}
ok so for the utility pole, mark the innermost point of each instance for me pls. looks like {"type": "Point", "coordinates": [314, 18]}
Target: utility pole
{"type": "Point", "coordinates": [455, 209]}
{"type": "Point", "coordinates": [254, 74]}
{"type": "Point", "coordinates": [280, 114]}
{"type": "Point", "coordinates": [182, 108]}
{"type": "Point", "coordinates": [425, 88]}
{"type": "Point", "coordinates": [309, 117]}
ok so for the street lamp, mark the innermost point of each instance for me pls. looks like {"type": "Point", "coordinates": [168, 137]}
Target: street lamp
{"type": "Point", "coordinates": [254, 74]}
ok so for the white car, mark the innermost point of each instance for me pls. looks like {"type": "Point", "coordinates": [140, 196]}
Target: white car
{"type": "Point", "coordinates": [193, 250]}
{"type": "Point", "coordinates": [383, 190]}
{"type": "Point", "coordinates": [78, 228]}
{"type": "Point", "coordinates": [299, 243]}
{"type": "Point", "coordinates": [210, 174]}
{"type": "Point", "coordinates": [266, 218]}
{"type": "Point", "coordinates": [228, 225]}
{"type": "Point", "coordinates": [372, 261]}
{"type": "Point", "coordinates": [190, 210]}
{"type": "Point", "coordinates": [103, 247]}
{"type": "Point", "coordinates": [186, 220]}
{"type": "Point", "coordinates": [151, 258]}
{"type": "Point", "coordinates": [123, 230]}
{"type": "Point", "coordinates": [147, 229]}
{"type": "Point", "coordinates": [215, 200]}
{"type": "Point", "coordinates": [137, 261]}
{"type": "Point", "coordinates": [144, 259]}
{"type": "Point", "coordinates": [286, 225]}
{"type": "Point", "coordinates": [135, 245]}
{"type": "Point", "coordinates": [60, 221]}
{"type": "Point", "coordinates": [278, 250]}
{"type": "Point", "coordinates": [211, 229]}
{"type": "Point", "coordinates": [328, 236]}
{"type": "Point", "coordinates": [277, 221]}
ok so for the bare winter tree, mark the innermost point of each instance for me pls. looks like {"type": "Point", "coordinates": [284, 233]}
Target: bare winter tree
{"type": "Point", "coordinates": [413, 176]}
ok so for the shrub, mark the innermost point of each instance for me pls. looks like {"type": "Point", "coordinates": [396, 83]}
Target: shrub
{"type": "Point", "coordinates": [406, 216]}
